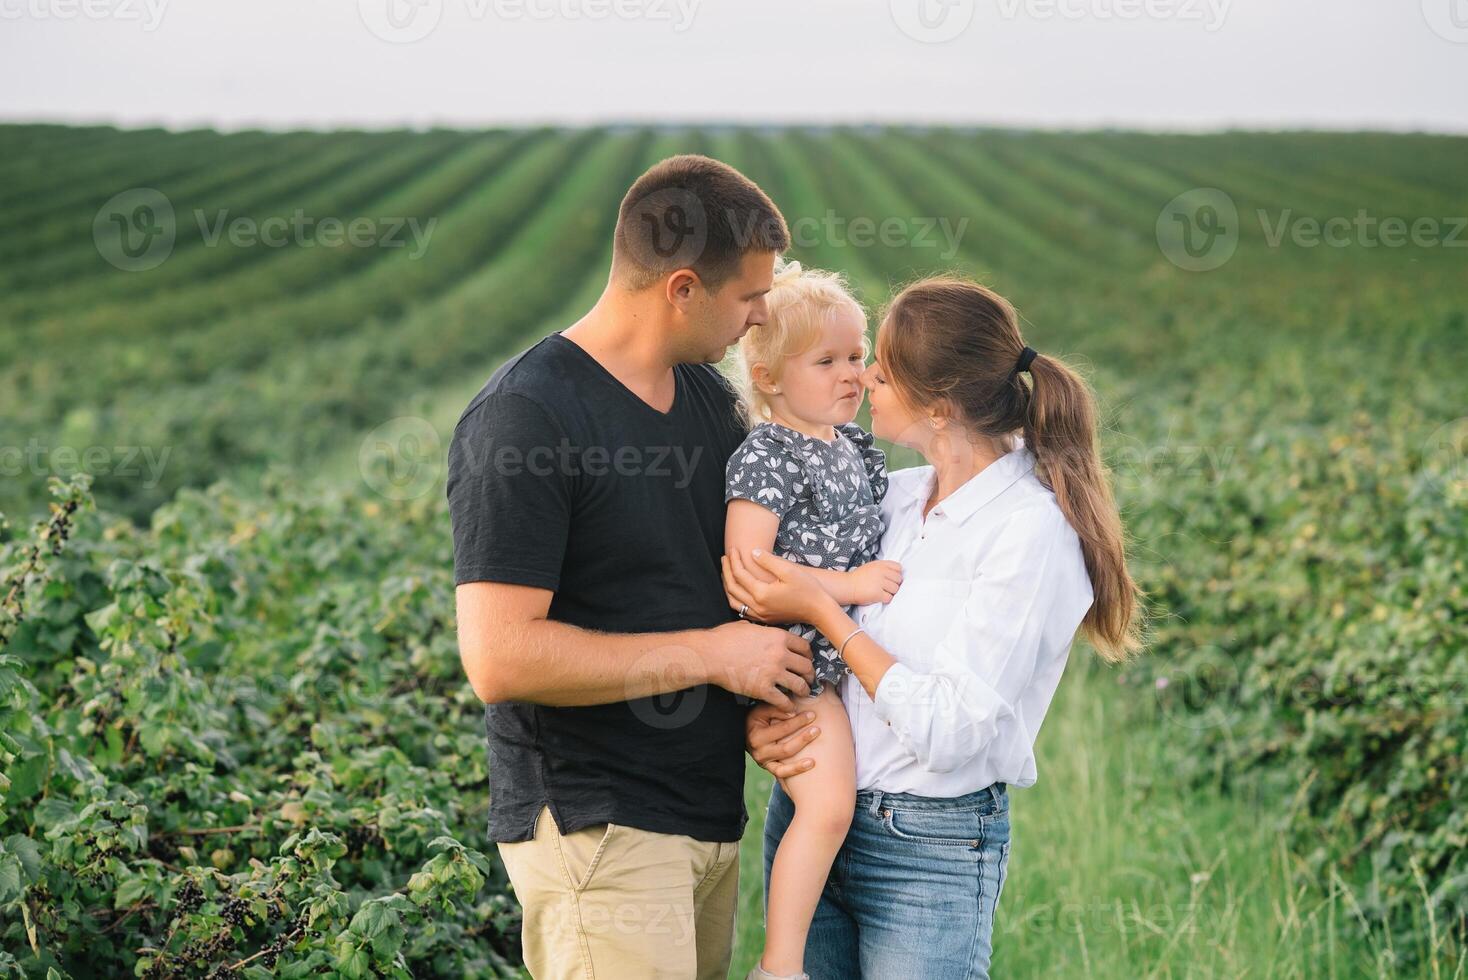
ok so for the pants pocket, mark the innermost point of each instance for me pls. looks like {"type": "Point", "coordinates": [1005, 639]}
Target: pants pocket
{"type": "Point", "coordinates": [957, 827]}
{"type": "Point", "coordinates": [582, 852]}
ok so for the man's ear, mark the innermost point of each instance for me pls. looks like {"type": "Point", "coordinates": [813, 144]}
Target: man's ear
{"type": "Point", "coordinates": [681, 288]}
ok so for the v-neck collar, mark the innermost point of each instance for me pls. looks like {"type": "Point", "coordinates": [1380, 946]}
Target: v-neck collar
{"type": "Point", "coordinates": [617, 382]}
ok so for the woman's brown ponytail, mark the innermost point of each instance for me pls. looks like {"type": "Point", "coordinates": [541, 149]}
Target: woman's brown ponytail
{"type": "Point", "coordinates": [1060, 427]}
{"type": "Point", "coordinates": [949, 337]}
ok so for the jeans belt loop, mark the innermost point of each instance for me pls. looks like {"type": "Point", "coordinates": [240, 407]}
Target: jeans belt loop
{"type": "Point", "coordinates": [876, 806]}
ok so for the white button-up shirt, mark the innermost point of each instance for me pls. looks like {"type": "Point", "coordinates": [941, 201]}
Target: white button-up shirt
{"type": "Point", "coordinates": [994, 587]}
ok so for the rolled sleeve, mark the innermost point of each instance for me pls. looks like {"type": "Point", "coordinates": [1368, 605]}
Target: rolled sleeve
{"type": "Point", "coordinates": [988, 657]}
{"type": "Point", "coordinates": [936, 714]}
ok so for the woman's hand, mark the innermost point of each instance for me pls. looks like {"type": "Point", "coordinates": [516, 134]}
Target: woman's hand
{"type": "Point", "coordinates": [775, 590]}
{"type": "Point", "coordinates": [876, 581]}
{"type": "Point", "coordinates": [773, 737]}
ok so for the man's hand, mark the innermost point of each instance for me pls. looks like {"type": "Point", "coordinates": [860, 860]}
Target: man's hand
{"type": "Point", "coordinates": [773, 737]}
{"type": "Point", "coordinates": [752, 660]}
{"type": "Point", "coordinates": [876, 581]}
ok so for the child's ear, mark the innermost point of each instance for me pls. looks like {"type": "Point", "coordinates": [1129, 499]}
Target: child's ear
{"type": "Point", "coordinates": [760, 374]}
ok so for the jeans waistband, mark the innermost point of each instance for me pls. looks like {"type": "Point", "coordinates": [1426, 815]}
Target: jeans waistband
{"type": "Point", "coordinates": [991, 799]}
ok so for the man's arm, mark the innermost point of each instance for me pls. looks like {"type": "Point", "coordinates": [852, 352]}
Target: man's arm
{"type": "Point", "coordinates": [511, 652]}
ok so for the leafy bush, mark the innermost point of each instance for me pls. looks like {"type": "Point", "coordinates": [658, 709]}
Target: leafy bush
{"type": "Point", "coordinates": [1315, 630]}
{"type": "Point", "coordinates": [237, 745]}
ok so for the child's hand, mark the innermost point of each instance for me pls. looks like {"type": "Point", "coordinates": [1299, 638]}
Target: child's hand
{"type": "Point", "coordinates": [876, 581]}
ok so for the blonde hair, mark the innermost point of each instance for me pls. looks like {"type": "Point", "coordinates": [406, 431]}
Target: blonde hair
{"type": "Point", "coordinates": [801, 301]}
{"type": "Point", "coordinates": [949, 337]}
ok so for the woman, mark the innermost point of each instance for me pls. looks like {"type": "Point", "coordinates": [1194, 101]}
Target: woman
{"type": "Point", "coordinates": [1009, 541]}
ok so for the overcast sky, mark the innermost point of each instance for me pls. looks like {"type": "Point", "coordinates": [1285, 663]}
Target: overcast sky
{"type": "Point", "coordinates": [1190, 64]}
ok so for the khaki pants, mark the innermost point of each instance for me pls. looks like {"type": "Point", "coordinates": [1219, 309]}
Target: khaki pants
{"type": "Point", "coordinates": [609, 902]}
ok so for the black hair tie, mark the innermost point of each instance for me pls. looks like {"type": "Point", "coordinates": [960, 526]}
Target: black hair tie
{"type": "Point", "coordinates": [1026, 356]}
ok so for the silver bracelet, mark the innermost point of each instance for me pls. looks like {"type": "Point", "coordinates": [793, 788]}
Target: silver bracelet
{"type": "Point", "coordinates": [842, 649]}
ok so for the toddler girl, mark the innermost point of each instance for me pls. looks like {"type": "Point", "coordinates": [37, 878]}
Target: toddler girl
{"type": "Point", "coordinates": [805, 485]}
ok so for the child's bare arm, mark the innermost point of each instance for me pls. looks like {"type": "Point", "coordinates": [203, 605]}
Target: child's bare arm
{"type": "Point", "coordinates": [749, 526]}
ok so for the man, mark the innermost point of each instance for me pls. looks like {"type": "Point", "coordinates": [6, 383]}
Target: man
{"type": "Point", "coordinates": [586, 489]}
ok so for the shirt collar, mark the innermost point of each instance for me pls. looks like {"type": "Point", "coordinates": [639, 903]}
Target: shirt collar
{"type": "Point", "coordinates": [981, 488]}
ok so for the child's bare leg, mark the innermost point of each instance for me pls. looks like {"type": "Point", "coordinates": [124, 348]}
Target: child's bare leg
{"type": "Point", "coordinates": [825, 799]}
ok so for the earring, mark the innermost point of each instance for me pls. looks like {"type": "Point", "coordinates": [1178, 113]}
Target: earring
{"type": "Point", "coordinates": [775, 390]}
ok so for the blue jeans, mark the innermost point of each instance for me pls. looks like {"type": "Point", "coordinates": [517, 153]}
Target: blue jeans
{"type": "Point", "coordinates": [913, 890]}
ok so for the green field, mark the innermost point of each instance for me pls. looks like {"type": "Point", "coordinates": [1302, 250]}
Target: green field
{"type": "Point", "coordinates": [238, 668]}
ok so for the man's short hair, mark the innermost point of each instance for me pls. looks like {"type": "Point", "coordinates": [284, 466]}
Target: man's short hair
{"type": "Point", "coordinates": [692, 211]}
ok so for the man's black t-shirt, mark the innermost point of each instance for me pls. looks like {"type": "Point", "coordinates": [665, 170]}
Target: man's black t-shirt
{"type": "Point", "coordinates": [561, 477]}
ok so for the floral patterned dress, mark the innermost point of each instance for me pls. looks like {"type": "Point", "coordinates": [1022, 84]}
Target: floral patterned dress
{"type": "Point", "coordinates": [826, 496]}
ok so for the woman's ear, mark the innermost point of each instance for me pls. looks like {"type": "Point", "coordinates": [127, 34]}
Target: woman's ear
{"type": "Point", "coordinates": [939, 414]}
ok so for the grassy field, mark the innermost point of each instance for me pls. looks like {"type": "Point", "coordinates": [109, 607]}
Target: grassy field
{"type": "Point", "coordinates": [1119, 870]}
{"type": "Point", "coordinates": [1274, 323]}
